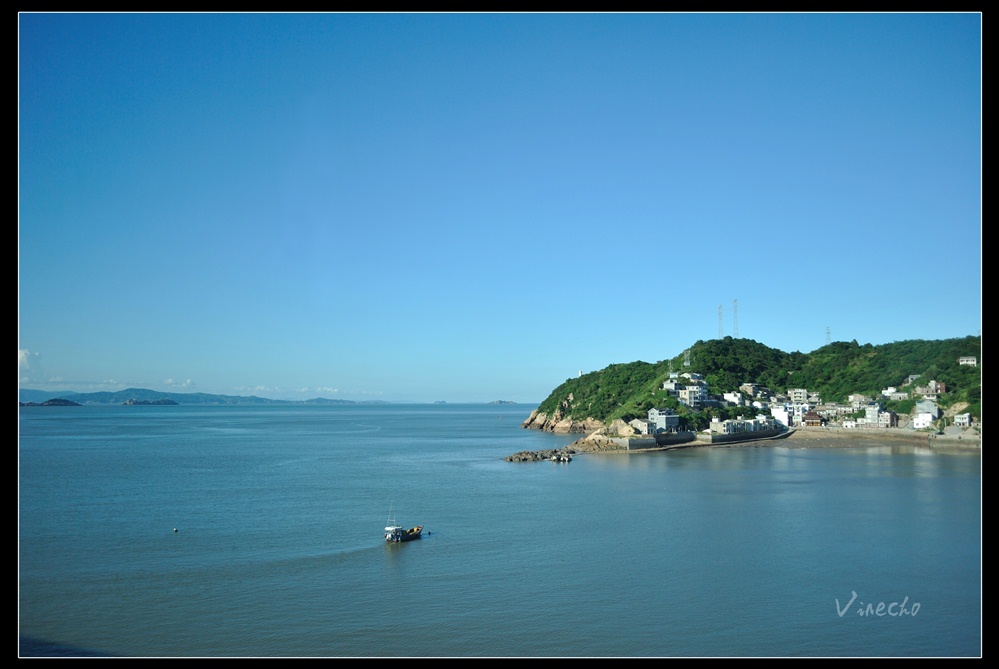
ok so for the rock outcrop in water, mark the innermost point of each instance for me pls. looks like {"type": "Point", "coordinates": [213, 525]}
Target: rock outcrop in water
{"type": "Point", "coordinates": [563, 454]}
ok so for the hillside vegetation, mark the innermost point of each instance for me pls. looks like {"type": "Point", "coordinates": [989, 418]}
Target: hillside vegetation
{"type": "Point", "coordinates": [835, 371]}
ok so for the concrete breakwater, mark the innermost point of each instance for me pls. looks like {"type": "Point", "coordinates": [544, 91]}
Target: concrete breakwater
{"type": "Point", "coordinates": [601, 442]}
{"type": "Point", "coordinates": [642, 442]}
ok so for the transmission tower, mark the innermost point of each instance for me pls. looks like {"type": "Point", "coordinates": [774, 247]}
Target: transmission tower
{"type": "Point", "coordinates": [720, 333]}
{"type": "Point", "coordinates": [686, 358]}
{"type": "Point", "coordinates": [828, 336]}
{"type": "Point", "coordinates": [735, 318]}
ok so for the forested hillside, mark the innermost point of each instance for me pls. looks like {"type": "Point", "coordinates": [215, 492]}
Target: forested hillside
{"type": "Point", "coordinates": [835, 371]}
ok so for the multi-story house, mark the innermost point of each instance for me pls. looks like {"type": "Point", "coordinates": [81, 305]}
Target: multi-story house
{"type": "Point", "coordinates": [833, 410]}
{"type": "Point", "coordinates": [858, 402]}
{"type": "Point", "coordinates": [812, 419]}
{"type": "Point", "coordinates": [871, 411]}
{"type": "Point", "coordinates": [797, 395]}
{"type": "Point", "coordinates": [932, 390]}
{"type": "Point", "coordinates": [694, 396]}
{"type": "Point", "coordinates": [790, 414]}
{"type": "Point", "coordinates": [887, 419]}
{"type": "Point", "coordinates": [664, 420]}
{"type": "Point", "coordinates": [672, 386]}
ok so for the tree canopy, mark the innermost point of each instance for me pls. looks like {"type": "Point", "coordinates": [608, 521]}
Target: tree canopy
{"type": "Point", "coordinates": [835, 371]}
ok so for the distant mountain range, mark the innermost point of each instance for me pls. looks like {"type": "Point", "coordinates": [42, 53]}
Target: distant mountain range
{"type": "Point", "coordinates": [146, 396]}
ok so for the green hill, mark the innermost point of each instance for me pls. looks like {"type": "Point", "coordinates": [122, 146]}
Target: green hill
{"type": "Point", "coordinates": [835, 371]}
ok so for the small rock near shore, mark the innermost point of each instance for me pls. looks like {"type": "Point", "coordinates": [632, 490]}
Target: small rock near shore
{"type": "Point", "coordinates": [537, 456]}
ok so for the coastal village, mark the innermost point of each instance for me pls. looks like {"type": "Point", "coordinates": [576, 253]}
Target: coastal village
{"type": "Point", "coordinates": [800, 408]}
{"type": "Point", "coordinates": [775, 415]}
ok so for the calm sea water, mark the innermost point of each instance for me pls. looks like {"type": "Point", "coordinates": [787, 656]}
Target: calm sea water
{"type": "Point", "coordinates": [279, 551]}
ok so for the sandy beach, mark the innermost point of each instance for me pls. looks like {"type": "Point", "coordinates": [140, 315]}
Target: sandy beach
{"type": "Point", "coordinates": [831, 437]}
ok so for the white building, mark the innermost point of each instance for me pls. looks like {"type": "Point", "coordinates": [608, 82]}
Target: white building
{"type": "Point", "coordinates": [642, 426]}
{"type": "Point", "coordinates": [781, 414]}
{"type": "Point", "coordinates": [735, 398]}
{"type": "Point", "coordinates": [741, 425]}
{"type": "Point", "coordinates": [672, 386]}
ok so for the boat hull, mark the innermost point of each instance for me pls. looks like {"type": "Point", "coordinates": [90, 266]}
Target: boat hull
{"type": "Point", "coordinates": [397, 534]}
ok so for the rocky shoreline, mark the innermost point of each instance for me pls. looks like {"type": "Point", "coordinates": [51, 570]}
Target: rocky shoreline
{"type": "Point", "coordinates": [559, 425]}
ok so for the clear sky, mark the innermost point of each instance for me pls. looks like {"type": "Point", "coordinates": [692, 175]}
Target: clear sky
{"type": "Point", "coordinates": [476, 207]}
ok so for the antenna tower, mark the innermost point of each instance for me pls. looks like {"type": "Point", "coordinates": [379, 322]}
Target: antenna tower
{"type": "Point", "coordinates": [720, 333]}
{"type": "Point", "coordinates": [735, 318]}
{"type": "Point", "coordinates": [686, 358]}
{"type": "Point", "coordinates": [828, 337]}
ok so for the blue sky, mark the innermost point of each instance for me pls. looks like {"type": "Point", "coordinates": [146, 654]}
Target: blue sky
{"type": "Point", "coordinates": [472, 207]}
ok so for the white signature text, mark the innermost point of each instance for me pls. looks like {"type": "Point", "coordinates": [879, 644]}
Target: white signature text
{"type": "Point", "coordinates": [893, 609]}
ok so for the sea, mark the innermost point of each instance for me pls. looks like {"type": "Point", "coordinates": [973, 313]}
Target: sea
{"type": "Point", "coordinates": [257, 531]}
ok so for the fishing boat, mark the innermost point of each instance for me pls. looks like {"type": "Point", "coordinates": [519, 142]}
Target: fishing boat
{"type": "Point", "coordinates": [395, 532]}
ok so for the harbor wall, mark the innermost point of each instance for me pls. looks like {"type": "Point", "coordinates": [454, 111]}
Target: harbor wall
{"type": "Point", "coordinates": [665, 440]}
{"type": "Point", "coordinates": [714, 438]}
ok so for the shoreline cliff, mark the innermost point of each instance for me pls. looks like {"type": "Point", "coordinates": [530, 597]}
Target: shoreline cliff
{"type": "Point", "coordinates": [560, 425]}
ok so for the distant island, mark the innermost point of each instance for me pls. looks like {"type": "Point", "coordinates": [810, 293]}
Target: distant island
{"type": "Point", "coordinates": [150, 403]}
{"type": "Point", "coordinates": [56, 402]}
{"type": "Point", "coordinates": [502, 402]}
